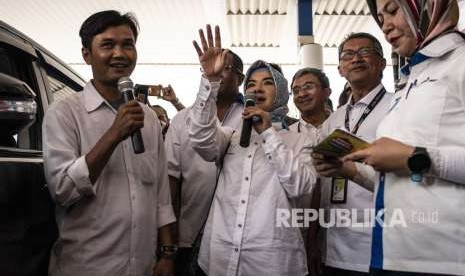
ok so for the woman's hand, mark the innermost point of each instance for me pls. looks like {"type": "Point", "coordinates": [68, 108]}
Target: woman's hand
{"type": "Point", "coordinates": [385, 155]}
{"type": "Point", "coordinates": [260, 125]}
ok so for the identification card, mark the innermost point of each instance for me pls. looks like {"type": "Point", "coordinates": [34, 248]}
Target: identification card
{"type": "Point", "coordinates": [339, 190]}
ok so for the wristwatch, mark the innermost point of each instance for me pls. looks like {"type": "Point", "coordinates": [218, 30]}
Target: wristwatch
{"type": "Point", "coordinates": [418, 163]}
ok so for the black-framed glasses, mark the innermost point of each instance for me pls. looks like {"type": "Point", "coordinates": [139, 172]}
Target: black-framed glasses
{"type": "Point", "coordinates": [307, 87]}
{"type": "Point", "coordinates": [363, 52]}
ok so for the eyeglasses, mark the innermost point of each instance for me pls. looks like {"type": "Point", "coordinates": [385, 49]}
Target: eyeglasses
{"type": "Point", "coordinates": [230, 68]}
{"type": "Point", "coordinates": [363, 52]}
{"type": "Point", "coordinates": [307, 87]}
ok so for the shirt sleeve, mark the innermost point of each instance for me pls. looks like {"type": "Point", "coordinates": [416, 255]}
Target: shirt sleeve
{"type": "Point", "coordinates": [65, 167]}
{"type": "Point", "coordinates": [295, 170]}
{"type": "Point", "coordinates": [173, 146]}
{"type": "Point", "coordinates": [165, 212]}
{"type": "Point", "coordinates": [448, 164]}
{"type": "Point", "coordinates": [206, 136]}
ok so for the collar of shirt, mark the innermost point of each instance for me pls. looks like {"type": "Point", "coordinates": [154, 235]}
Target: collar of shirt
{"type": "Point", "coordinates": [92, 98]}
{"type": "Point", "coordinates": [307, 125]}
{"type": "Point", "coordinates": [437, 48]}
{"type": "Point", "coordinates": [367, 99]}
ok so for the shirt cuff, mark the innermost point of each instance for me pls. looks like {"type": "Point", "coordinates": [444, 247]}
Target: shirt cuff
{"type": "Point", "coordinates": [165, 215]}
{"type": "Point", "coordinates": [437, 167]}
{"type": "Point", "coordinates": [207, 89]}
{"type": "Point", "coordinates": [79, 174]}
{"type": "Point", "coordinates": [270, 140]}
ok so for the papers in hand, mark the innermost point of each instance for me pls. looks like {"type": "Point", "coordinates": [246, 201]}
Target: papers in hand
{"type": "Point", "coordinates": [340, 143]}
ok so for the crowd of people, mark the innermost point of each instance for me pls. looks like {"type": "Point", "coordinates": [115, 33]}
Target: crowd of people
{"type": "Point", "coordinates": [199, 202]}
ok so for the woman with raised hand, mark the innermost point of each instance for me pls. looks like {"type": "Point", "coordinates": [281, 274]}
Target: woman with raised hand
{"type": "Point", "coordinates": [248, 228]}
{"type": "Point", "coordinates": [420, 152]}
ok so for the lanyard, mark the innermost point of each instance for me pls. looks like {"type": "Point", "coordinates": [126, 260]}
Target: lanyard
{"type": "Point", "coordinates": [365, 113]}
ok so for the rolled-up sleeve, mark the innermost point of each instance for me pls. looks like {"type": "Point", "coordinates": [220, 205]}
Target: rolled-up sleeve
{"type": "Point", "coordinates": [295, 170]}
{"type": "Point", "coordinates": [206, 136]}
{"type": "Point", "coordinates": [66, 170]}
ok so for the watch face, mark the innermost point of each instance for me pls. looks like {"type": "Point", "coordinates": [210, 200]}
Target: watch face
{"type": "Point", "coordinates": [419, 162]}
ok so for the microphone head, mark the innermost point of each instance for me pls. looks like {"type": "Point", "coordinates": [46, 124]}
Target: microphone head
{"type": "Point", "coordinates": [125, 84]}
{"type": "Point", "coordinates": [250, 97]}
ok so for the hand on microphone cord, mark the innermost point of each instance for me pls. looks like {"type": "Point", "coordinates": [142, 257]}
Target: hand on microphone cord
{"type": "Point", "coordinates": [259, 125]}
{"type": "Point", "coordinates": [130, 117]}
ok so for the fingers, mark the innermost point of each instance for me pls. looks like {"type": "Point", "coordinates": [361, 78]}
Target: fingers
{"type": "Point", "coordinates": [210, 36]}
{"type": "Point", "coordinates": [197, 48]}
{"type": "Point", "coordinates": [217, 37]}
{"type": "Point", "coordinates": [357, 156]}
{"type": "Point", "coordinates": [251, 111]}
{"type": "Point", "coordinates": [203, 41]}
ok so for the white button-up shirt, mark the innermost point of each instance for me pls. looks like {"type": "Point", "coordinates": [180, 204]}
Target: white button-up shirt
{"type": "Point", "coordinates": [429, 112]}
{"type": "Point", "coordinates": [242, 235]}
{"type": "Point", "coordinates": [349, 247]}
{"type": "Point", "coordinates": [197, 176]}
{"type": "Point", "coordinates": [109, 228]}
{"type": "Point", "coordinates": [306, 128]}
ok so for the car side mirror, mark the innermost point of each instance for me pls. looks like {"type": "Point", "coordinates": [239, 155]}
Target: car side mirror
{"type": "Point", "coordinates": [18, 107]}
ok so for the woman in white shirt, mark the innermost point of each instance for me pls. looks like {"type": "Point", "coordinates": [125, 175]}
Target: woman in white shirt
{"type": "Point", "coordinates": [247, 231]}
{"type": "Point", "coordinates": [420, 150]}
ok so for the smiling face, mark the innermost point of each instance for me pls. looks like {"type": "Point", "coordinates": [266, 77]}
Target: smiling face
{"type": "Point", "coordinates": [396, 28]}
{"type": "Point", "coordinates": [308, 94]}
{"type": "Point", "coordinates": [261, 81]}
{"type": "Point", "coordinates": [112, 55]}
{"type": "Point", "coordinates": [361, 70]}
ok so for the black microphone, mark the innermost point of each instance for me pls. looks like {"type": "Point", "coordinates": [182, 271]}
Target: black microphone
{"type": "Point", "coordinates": [247, 124]}
{"type": "Point", "coordinates": [126, 87]}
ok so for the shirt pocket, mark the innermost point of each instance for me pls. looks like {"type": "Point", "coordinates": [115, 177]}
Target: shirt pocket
{"type": "Point", "coordinates": [145, 167]}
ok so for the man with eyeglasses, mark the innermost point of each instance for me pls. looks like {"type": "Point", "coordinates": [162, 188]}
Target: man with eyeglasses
{"type": "Point", "coordinates": [192, 179]}
{"type": "Point", "coordinates": [310, 89]}
{"type": "Point", "coordinates": [347, 247]}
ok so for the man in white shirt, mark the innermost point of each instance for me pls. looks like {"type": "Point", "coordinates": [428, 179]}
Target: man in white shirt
{"type": "Point", "coordinates": [310, 89]}
{"type": "Point", "coordinates": [193, 179]}
{"type": "Point", "coordinates": [111, 203]}
{"type": "Point", "coordinates": [361, 62]}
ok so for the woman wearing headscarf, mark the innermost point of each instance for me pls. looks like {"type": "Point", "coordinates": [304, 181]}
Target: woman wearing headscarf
{"type": "Point", "coordinates": [419, 199]}
{"type": "Point", "coordinates": [247, 231]}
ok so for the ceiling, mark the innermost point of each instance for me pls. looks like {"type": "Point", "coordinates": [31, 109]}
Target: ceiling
{"type": "Point", "coordinates": [254, 28]}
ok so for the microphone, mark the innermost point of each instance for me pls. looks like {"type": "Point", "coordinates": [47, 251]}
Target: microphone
{"type": "Point", "coordinates": [247, 124]}
{"type": "Point", "coordinates": [126, 87]}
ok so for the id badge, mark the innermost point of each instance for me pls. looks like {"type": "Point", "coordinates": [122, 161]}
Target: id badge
{"type": "Point", "coordinates": [339, 190]}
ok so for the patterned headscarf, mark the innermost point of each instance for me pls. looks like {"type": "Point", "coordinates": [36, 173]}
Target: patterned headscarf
{"type": "Point", "coordinates": [279, 108]}
{"type": "Point", "coordinates": [427, 18]}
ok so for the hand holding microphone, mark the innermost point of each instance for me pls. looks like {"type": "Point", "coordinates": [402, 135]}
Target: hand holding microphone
{"type": "Point", "coordinates": [130, 117]}
{"type": "Point", "coordinates": [253, 117]}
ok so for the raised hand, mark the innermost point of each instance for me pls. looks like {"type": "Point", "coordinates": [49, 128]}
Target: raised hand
{"type": "Point", "coordinates": [211, 56]}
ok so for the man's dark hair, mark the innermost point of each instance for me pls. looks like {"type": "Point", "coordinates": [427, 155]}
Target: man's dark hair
{"type": "Point", "coordinates": [100, 21]}
{"type": "Point", "coordinates": [320, 75]}
{"type": "Point", "coordinates": [374, 40]}
{"type": "Point", "coordinates": [237, 61]}
{"type": "Point", "coordinates": [159, 106]}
